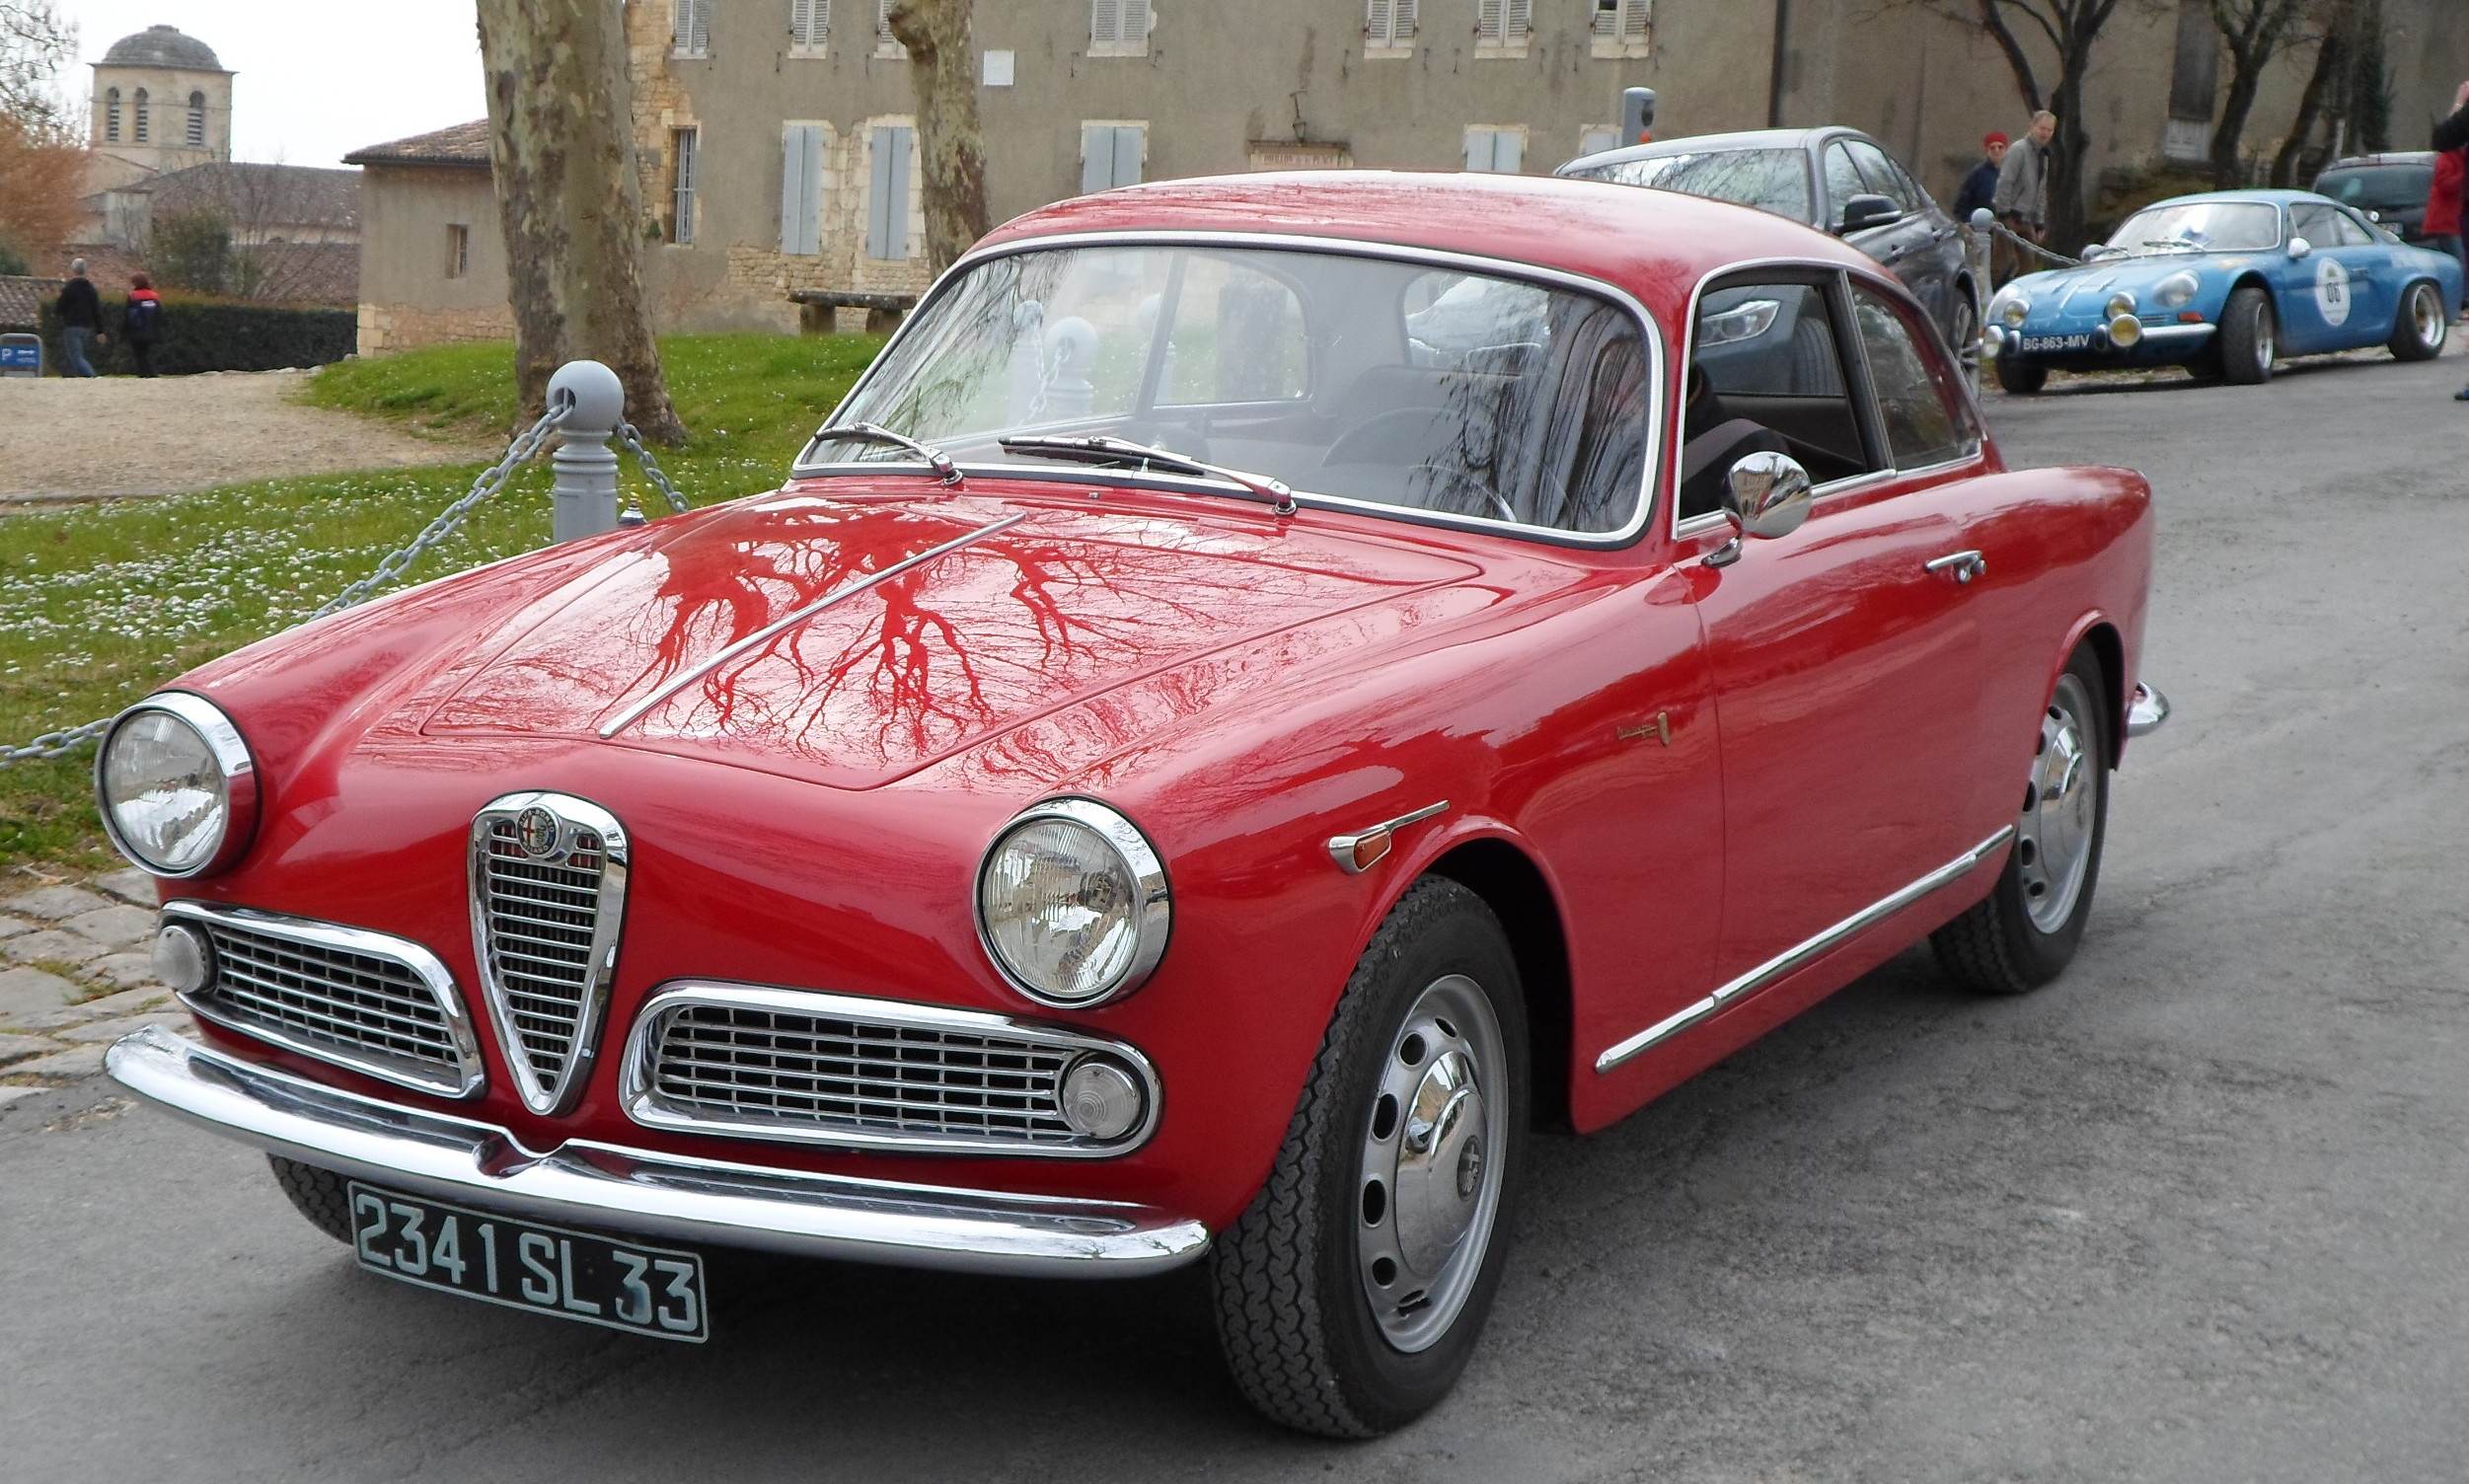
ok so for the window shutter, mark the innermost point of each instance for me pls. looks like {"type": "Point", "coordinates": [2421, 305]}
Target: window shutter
{"type": "Point", "coordinates": [809, 23]}
{"type": "Point", "coordinates": [1378, 22]}
{"type": "Point", "coordinates": [801, 187]}
{"type": "Point", "coordinates": [1096, 158]}
{"type": "Point", "coordinates": [703, 25]}
{"type": "Point", "coordinates": [1637, 20]}
{"type": "Point", "coordinates": [1487, 20]}
{"type": "Point", "coordinates": [882, 25]}
{"type": "Point", "coordinates": [1478, 149]}
{"type": "Point", "coordinates": [1405, 20]}
{"type": "Point", "coordinates": [1105, 23]}
{"type": "Point", "coordinates": [887, 205]}
{"type": "Point", "coordinates": [1520, 19]}
{"type": "Point", "coordinates": [1507, 151]}
{"type": "Point", "coordinates": [681, 23]}
{"type": "Point", "coordinates": [1128, 142]}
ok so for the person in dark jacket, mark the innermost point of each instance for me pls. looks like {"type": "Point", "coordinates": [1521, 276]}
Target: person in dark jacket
{"type": "Point", "coordinates": [81, 319]}
{"type": "Point", "coordinates": [2451, 134]}
{"type": "Point", "coordinates": [141, 324]}
{"type": "Point", "coordinates": [1979, 187]}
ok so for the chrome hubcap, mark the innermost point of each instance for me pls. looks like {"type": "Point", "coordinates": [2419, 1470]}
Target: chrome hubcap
{"type": "Point", "coordinates": [2053, 836]}
{"type": "Point", "coordinates": [2429, 316]}
{"type": "Point", "coordinates": [1429, 1183]}
{"type": "Point", "coordinates": [2263, 341]}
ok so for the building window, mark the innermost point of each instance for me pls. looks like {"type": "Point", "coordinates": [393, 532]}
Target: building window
{"type": "Point", "coordinates": [809, 26]}
{"type": "Point", "coordinates": [197, 120]}
{"type": "Point", "coordinates": [1388, 28]}
{"type": "Point", "coordinates": [802, 188]}
{"type": "Point", "coordinates": [2193, 83]}
{"type": "Point", "coordinates": [1111, 155]}
{"type": "Point", "coordinates": [112, 115]}
{"type": "Point", "coordinates": [682, 144]}
{"type": "Point", "coordinates": [1497, 148]}
{"type": "Point", "coordinates": [1120, 28]}
{"type": "Point", "coordinates": [893, 150]}
{"type": "Point", "coordinates": [141, 115]}
{"type": "Point", "coordinates": [886, 44]}
{"type": "Point", "coordinates": [1624, 27]}
{"type": "Point", "coordinates": [458, 250]}
{"type": "Point", "coordinates": [1595, 138]}
{"type": "Point", "coordinates": [1501, 27]}
{"type": "Point", "coordinates": [690, 28]}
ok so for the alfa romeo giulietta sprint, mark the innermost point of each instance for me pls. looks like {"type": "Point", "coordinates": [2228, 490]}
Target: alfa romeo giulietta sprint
{"type": "Point", "coordinates": [1266, 688]}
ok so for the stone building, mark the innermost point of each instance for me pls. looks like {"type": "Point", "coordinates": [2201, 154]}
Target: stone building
{"type": "Point", "coordinates": [777, 146]}
{"type": "Point", "coordinates": [162, 102]}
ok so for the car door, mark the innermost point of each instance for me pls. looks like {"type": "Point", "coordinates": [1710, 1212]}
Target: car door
{"type": "Point", "coordinates": [2334, 297]}
{"type": "Point", "coordinates": [1910, 246]}
{"type": "Point", "coordinates": [1844, 657]}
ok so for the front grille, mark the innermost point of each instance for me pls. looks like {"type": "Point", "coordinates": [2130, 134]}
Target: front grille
{"type": "Point", "coordinates": [834, 1070]}
{"type": "Point", "coordinates": [545, 922]}
{"type": "Point", "coordinates": [373, 1003]}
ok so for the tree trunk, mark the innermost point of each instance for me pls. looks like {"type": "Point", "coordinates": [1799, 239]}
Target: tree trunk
{"type": "Point", "coordinates": [2330, 62]}
{"type": "Point", "coordinates": [2228, 171]}
{"type": "Point", "coordinates": [570, 200]}
{"type": "Point", "coordinates": [952, 148]}
{"type": "Point", "coordinates": [2071, 148]}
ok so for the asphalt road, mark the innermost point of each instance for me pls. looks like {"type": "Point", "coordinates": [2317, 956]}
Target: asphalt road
{"type": "Point", "coordinates": [2194, 1213]}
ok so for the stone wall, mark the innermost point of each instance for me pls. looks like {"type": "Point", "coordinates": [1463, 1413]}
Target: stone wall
{"type": "Point", "coordinates": [401, 326]}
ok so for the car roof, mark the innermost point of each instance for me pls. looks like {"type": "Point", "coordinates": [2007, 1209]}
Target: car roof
{"type": "Point", "coordinates": [1655, 244]}
{"type": "Point", "coordinates": [2259, 197]}
{"type": "Point", "coordinates": [2388, 157]}
{"type": "Point", "coordinates": [1742, 139]}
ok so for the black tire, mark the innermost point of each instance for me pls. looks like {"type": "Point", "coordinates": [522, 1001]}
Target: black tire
{"type": "Point", "coordinates": [1294, 1309]}
{"type": "Point", "coordinates": [2420, 326]}
{"type": "Point", "coordinates": [1997, 948]}
{"type": "Point", "coordinates": [2022, 378]}
{"type": "Point", "coordinates": [2249, 338]}
{"type": "Point", "coordinates": [321, 1195]}
{"type": "Point", "coordinates": [1966, 320]}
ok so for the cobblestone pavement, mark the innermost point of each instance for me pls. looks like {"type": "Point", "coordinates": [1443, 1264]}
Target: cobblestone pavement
{"type": "Point", "coordinates": [74, 975]}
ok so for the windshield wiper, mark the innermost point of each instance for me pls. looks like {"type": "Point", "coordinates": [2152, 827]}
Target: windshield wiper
{"type": "Point", "coordinates": [2178, 243]}
{"type": "Point", "coordinates": [870, 432]}
{"type": "Point", "coordinates": [1098, 448]}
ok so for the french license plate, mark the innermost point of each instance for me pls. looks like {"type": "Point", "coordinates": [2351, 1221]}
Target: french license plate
{"type": "Point", "coordinates": [571, 1275]}
{"type": "Point", "coordinates": [2032, 343]}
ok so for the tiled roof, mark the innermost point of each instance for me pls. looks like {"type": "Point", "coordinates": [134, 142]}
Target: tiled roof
{"type": "Point", "coordinates": [465, 144]}
{"type": "Point", "coordinates": [22, 301]}
{"type": "Point", "coordinates": [259, 195]}
{"type": "Point", "coordinates": [307, 273]}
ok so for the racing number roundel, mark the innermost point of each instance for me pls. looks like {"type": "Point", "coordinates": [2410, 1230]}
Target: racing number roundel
{"type": "Point", "coordinates": [2332, 290]}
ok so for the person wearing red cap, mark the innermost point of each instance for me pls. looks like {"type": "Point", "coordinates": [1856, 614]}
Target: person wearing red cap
{"type": "Point", "coordinates": [1979, 186]}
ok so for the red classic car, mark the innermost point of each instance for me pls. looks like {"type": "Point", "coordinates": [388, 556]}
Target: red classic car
{"type": "Point", "coordinates": [1268, 686]}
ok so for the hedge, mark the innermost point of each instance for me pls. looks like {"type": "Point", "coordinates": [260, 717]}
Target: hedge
{"type": "Point", "coordinates": [205, 335]}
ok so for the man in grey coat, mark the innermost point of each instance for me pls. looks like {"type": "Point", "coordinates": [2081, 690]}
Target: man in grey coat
{"type": "Point", "coordinates": [2021, 200]}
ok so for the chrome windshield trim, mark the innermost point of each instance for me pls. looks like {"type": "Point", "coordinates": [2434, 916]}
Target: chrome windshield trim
{"type": "Point", "coordinates": [1802, 953]}
{"type": "Point", "coordinates": [644, 1104]}
{"type": "Point", "coordinates": [697, 671]}
{"type": "Point", "coordinates": [603, 1186]}
{"type": "Point", "coordinates": [425, 965]}
{"type": "Point", "coordinates": [608, 924]}
{"type": "Point", "coordinates": [1651, 336]}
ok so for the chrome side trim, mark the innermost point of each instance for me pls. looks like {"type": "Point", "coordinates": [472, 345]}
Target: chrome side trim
{"type": "Point", "coordinates": [1342, 848]}
{"type": "Point", "coordinates": [608, 926]}
{"type": "Point", "coordinates": [719, 657]}
{"type": "Point", "coordinates": [640, 1095]}
{"type": "Point", "coordinates": [2147, 710]}
{"type": "Point", "coordinates": [1800, 954]}
{"type": "Point", "coordinates": [2170, 334]}
{"type": "Point", "coordinates": [422, 964]}
{"type": "Point", "coordinates": [606, 1187]}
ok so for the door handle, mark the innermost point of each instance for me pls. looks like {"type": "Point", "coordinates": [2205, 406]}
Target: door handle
{"type": "Point", "coordinates": [1965, 566]}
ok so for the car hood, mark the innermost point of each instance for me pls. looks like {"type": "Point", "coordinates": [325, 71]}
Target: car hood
{"type": "Point", "coordinates": [851, 642]}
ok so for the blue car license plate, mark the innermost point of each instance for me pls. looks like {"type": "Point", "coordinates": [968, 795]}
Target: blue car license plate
{"type": "Point", "coordinates": [2033, 342]}
{"type": "Point", "coordinates": [549, 1270]}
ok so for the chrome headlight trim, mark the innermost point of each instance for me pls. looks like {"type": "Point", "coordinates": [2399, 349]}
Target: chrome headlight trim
{"type": "Point", "coordinates": [1153, 913]}
{"type": "Point", "coordinates": [2011, 306]}
{"type": "Point", "coordinates": [230, 752]}
{"type": "Point", "coordinates": [2177, 290]}
{"type": "Point", "coordinates": [2120, 305]}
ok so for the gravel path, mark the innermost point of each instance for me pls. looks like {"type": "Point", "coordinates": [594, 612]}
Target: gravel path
{"type": "Point", "coordinates": [63, 439]}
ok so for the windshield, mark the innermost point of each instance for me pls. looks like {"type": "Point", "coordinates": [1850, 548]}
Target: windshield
{"type": "Point", "coordinates": [2203, 226]}
{"type": "Point", "coordinates": [1401, 385]}
{"type": "Point", "coordinates": [2378, 187]}
{"type": "Point", "coordinates": [1771, 179]}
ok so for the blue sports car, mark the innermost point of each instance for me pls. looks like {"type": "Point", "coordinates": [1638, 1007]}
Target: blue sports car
{"type": "Point", "coordinates": [2223, 284]}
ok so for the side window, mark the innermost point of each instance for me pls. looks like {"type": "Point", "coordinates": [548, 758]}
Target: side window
{"type": "Point", "coordinates": [1884, 176]}
{"type": "Point", "coordinates": [2313, 223]}
{"type": "Point", "coordinates": [1237, 338]}
{"type": "Point", "coordinates": [1765, 376]}
{"type": "Point", "coordinates": [2354, 233]}
{"type": "Point", "coordinates": [1927, 420]}
{"type": "Point", "coordinates": [1843, 181]}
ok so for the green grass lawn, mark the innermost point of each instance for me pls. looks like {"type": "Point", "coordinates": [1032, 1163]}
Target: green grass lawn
{"type": "Point", "coordinates": [100, 604]}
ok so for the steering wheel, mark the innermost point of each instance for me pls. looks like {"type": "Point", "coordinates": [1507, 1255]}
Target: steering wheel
{"type": "Point", "coordinates": [1466, 477]}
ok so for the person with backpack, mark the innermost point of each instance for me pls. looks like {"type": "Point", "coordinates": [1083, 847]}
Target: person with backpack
{"type": "Point", "coordinates": [141, 324]}
{"type": "Point", "coordinates": [81, 320]}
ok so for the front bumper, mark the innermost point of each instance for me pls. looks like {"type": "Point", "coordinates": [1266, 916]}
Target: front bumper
{"type": "Point", "coordinates": [2147, 710]}
{"type": "Point", "coordinates": [598, 1185]}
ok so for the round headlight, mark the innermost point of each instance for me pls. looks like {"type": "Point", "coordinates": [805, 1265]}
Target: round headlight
{"type": "Point", "coordinates": [2177, 290]}
{"type": "Point", "coordinates": [2120, 303]}
{"type": "Point", "coordinates": [1072, 904]}
{"type": "Point", "coordinates": [178, 792]}
{"type": "Point", "coordinates": [2018, 308]}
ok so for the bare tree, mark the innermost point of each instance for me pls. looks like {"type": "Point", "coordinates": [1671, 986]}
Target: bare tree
{"type": "Point", "coordinates": [2257, 32]}
{"type": "Point", "coordinates": [34, 42]}
{"type": "Point", "coordinates": [560, 103]}
{"type": "Point", "coordinates": [953, 147]}
{"type": "Point", "coordinates": [42, 168]}
{"type": "Point", "coordinates": [2327, 25]}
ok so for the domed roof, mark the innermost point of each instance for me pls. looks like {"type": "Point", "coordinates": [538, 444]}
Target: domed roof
{"type": "Point", "coordinates": [162, 46]}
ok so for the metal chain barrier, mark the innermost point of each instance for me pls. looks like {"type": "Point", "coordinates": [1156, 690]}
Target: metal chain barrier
{"type": "Point", "coordinates": [2059, 259]}
{"type": "Point", "coordinates": [448, 521]}
{"type": "Point", "coordinates": [631, 436]}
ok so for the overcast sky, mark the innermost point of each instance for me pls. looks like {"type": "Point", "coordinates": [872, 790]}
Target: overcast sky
{"type": "Point", "coordinates": [318, 78]}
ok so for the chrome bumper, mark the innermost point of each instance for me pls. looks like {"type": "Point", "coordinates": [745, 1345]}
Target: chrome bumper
{"type": "Point", "coordinates": [653, 1194]}
{"type": "Point", "coordinates": [2146, 711]}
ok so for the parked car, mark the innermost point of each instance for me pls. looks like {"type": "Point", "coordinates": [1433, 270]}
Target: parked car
{"type": "Point", "coordinates": [2225, 285]}
{"type": "Point", "coordinates": [1837, 180]}
{"type": "Point", "coordinates": [1267, 687]}
{"type": "Point", "coordinates": [2390, 189]}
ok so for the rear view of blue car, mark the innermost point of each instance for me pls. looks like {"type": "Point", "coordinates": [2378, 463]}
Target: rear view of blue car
{"type": "Point", "coordinates": [2225, 284]}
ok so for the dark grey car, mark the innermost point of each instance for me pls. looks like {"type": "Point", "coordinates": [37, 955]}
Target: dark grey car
{"type": "Point", "coordinates": [2392, 187]}
{"type": "Point", "coordinates": [1836, 180]}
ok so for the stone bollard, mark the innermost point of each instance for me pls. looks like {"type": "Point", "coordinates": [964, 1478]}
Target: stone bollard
{"type": "Point", "coordinates": [583, 497]}
{"type": "Point", "coordinates": [1981, 246]}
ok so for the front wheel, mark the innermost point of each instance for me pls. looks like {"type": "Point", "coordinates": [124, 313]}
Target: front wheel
{"type": "Point", "coordinates": [320, 1195]}
{"type": "Point", "coordinates": [2025, 932]}
{"type": "Point", "coordinates": [2419, 329]}
{"type": "Point", "coordinates": [1350, 1294]}
{"type": "Point", "coordinates": [2249, 338]}
{"type": "Point", "coordinates": [2022, 378]}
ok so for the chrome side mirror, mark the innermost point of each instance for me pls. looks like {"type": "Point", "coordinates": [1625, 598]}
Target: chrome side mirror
{"type": "Point", "coordinates": [2299, 246]}
{"type": "Point", "coordinates": [1766, 495]}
